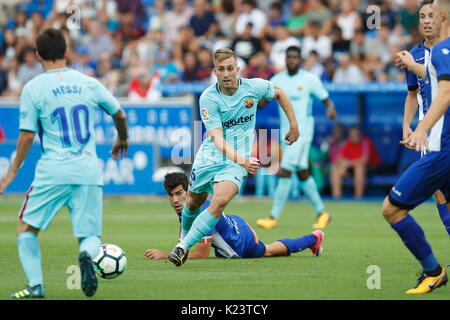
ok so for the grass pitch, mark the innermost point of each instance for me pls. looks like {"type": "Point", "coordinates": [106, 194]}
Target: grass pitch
{"type": "Point", "coordinates": [358, 237]}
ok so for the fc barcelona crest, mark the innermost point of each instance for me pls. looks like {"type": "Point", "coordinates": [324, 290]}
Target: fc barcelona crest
{"type": "Point", "coordinates": [248, 103]}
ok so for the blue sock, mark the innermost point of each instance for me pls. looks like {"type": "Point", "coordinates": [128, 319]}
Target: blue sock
{"type": "Point", "coordinates": [445, 216]}
{"type": "Point", "coordinates": [299, 244]}
{"type": "Point", "coordinates": [30, 257]}
{"type": "Point", "coordinates": [91, 245]}
{"type": "Point", "coordinates": [201, 227]}
{"type": "Point", "coordinates": [309, 188]}
{"type": "Point", "coordinates": [414, 239]}
{"type": "Point", "coordinates": [281, 196]}
{"type": "Point", "coordinates": [187, 218]}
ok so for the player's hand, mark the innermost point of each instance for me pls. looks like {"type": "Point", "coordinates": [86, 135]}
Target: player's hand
{"type": "Point", "coordinates": [8, 179]}
{"type": "Point", "coordinates": [331, 113]}
{"type": "Point", "coordinates": [251, 165]}
{"type": "Point", "coordinates": [404, 59]}
{"type": "Point", "coordinates": [120, 149]}
{"type": "Point", "coordinates": [292, 135]}
{"type": "Point", "coordinates": [407, 132]}
{"type": "Point", "coordinates": [417, 141]}
{"type": "Point", "coordinates": [156, 254]}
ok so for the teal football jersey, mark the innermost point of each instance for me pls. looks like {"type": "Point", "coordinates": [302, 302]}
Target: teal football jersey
{"type": "Point", "coordinates": [301, 88]}
{"type": "Point", "coordinates": [59, 105]}
{"type": "Point", "coordinates": [236, 114]}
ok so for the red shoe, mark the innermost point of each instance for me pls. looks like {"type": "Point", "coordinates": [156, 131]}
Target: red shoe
{"type": "Point", "coordinates": [316, 248]}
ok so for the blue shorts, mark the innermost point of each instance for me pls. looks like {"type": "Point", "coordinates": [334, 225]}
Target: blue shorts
{"type": "Point", "coordinates": [203, 177]}
{"type": "Point", "coordinates": [419, 182]}
{"type": "Point", "coordinates": [237, 239]}
{"type": "Point", "coordinates": [85, 204]}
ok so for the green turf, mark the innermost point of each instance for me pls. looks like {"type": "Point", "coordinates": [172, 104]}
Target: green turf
{"type": "Point", "coordinates": [357, 237]}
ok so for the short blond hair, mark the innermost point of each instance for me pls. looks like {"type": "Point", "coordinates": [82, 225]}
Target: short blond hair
{"type": "Point", "coordinates": [222, 54]}
{"type": "Point", "coordinates": [444, 5]}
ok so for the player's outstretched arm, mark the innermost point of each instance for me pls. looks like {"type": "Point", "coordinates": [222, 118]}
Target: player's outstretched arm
{"type": "Point", "coordinates": [120, 147]}
{"type": "Point", "coordinates": [24, 143]}
{"type": "Point", "coordinates": [437, 109]}
{"type": "Point", "coordinates": [405, 60]}
{"type": "Point", "coordinates": [250, 164]}
{"type": "Point", "coordinates": [285, 104]}
{"type": "Point", "coordinates": [201, 252]}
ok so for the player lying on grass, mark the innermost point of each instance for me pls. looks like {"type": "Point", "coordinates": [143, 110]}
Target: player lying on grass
{"type": "Point", "coordinates": [232, 237]}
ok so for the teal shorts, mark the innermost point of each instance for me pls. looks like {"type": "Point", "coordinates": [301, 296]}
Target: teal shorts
{"type": "Point", "coordinates": [296, 156]}
{"type": "Point", "coordinates": [203, 177]}
{"type": "Point", "coordinates": [85, 204]}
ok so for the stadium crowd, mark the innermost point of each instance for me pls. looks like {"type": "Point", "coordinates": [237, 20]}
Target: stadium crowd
{"type": "Point", "coordinates": [133, 45]}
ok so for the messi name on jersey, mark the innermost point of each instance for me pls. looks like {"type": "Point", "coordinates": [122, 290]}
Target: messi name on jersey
{"type": "Point", "coordinates": [69, 89]}
{"type": "Point", "coordinates": [241, 120]}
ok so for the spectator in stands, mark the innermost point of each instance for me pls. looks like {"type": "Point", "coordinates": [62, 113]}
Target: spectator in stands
{"type": "Point", "coordinates": [246, 45]}
{"type": "Point", "coordinates": [159, 20]}
{"type": "Point", "coordinates": [316, 42]}
{"type": "Point", "coordinates": [259, 67]}
{"type": "Point", "coordinates": [203, 21]}
{"type": "Point", "coordinates": [409, 19]}
{"type": "Point", "coordinates": [250, 14]}
{"type": "Point", "coordinates": [318, 12]}
{"type": "Point", "coordinates": [104, 65]}
{"type": "Point", "coordinates": [129, 28]}
{"type": "Point", "coordinates": [183, 43]}
{"type": "Point", "coordinates": [298, 21]}
{"type": "Point", "coordinates": [339, 44]}
{"type": "Point", "coordinates": [278, 51]}
{"type": "Point", "coordinates": [348, 20]}
{"type": "Point", "coordinates": [380, 44]}
{"type": "Point", "coordinates": [143, 86]}
{"type": "Point", "coordinates": [35, 25]}
{"type": "Point", "coordinates": [82, 62]}
{"type": "Point", "coordinates": [3, 77]}
{"type": "Point", "coordinates": [30, 66]}
{"type": "Point", "coordinates": [391, 72]}
{"type": "Point", "coordinates": [190, 67]}
{"type": "Point", "coordinates": [205, 64]}
{"type": "Point", "coordinates": [274, 19]}
{"type": "Point", "coordinates": [358, 154]}
{"type": "Point", "coordinates": [134, 7]}
{"type": "Point", "coordinates": [14, 83]}
{"type": "Point", "coordinates": [10, 46]}
{"type": "Point", "coordinates": [179, 17]}
{"type": "Point", "coordinates": [332, 145]}
{"type": "Point", "coordinates": [358, 45]}
{"type": "Point", "coordinates": [312, 63]}
{"type": "Point", "coordinates": [164, 67]}
{"type": "Point", "coordinates": [347, 72]}
{"type": "Point", "coordinates": [226, 18]}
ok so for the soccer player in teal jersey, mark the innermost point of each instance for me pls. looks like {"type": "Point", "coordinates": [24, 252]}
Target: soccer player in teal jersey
{"type": "Point", "coordinates": [59, 105]}
{"type": "Point", "coordinates": [228, 111]}
{"type": "Point", "coordinates": [301, 86]}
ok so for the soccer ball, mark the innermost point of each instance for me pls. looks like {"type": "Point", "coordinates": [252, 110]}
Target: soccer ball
{"type": "Point", "coordinates": [110, 262]}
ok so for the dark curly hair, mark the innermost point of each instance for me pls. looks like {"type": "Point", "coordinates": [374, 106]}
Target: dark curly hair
{"type": "Point", "coordinates": [174, 179]}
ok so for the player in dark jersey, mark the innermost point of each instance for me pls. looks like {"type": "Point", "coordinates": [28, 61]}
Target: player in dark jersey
{"type": "Point", "coordinates": [232, 237]}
